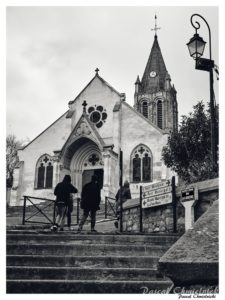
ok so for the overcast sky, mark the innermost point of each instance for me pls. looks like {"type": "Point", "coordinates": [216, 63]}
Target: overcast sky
{"type": "Point", "coordinates": [52, 53]}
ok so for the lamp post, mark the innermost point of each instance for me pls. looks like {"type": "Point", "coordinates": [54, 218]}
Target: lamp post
{"type": "Point", "coordinates": [196, 47]}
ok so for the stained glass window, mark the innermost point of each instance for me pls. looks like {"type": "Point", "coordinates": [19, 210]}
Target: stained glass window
{"type": "Point", "coordinates": [146, 167]}
{"type": "Point", "coordinates": [97, 115]}
{"type": "Point", "coordinates": [136, 168]}
{"type": "Point", "coordinates": [44, 174]}
{"type": "Point", "coordinates": [49, 175]}
{"type": "Point", "coordinates": [41, 176]}
{"type": "Point", "coordinates": [141, 161]}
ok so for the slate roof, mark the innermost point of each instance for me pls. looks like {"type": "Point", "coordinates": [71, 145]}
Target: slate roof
{"type": "Point", "coordinates": [155, 63]}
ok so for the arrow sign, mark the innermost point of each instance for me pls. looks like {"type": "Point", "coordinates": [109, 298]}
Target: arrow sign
{"type": "Point", "coordinates": [157, 200]}
{"type": "Point", "coordinates": [157, 185]}
{"type": "Point", "coordinates": [156, 192]}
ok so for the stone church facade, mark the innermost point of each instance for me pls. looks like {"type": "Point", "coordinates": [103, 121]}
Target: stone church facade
{"type": "Point", "coordinates": [88, 137]}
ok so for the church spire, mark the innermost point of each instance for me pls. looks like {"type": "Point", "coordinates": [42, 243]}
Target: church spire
{"type": "Point", "coordinates": [155, 71]}
{"type": "Point", "coordinates": [155, 96]}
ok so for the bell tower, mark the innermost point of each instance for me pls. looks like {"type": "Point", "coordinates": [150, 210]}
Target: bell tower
{"type": "Point", "coordinates": [155, 97]}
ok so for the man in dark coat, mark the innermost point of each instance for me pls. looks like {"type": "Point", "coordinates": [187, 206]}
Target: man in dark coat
{"type": "Point", "coordinates": [123, 194]}
{"type": "Point", "coordinates": [62, 192]}
{"type": "Point", "coordinates": [90, 200]}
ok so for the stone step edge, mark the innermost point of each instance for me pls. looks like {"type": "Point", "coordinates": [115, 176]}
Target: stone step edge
{"type": "Point", "coordinates": [38, 230]}
{"type": "Point", "coordinates": [89, 281]}
{"type": "Point", "coordinates": [75, 233]}
{"type": "Point", "coordinates": [147, 247]}
{"type": "Point", "coordinates": [130, 257]}
{"type": "Point", "coordinates": [79, 268]}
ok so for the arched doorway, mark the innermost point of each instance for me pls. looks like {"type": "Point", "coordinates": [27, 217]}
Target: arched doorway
{"type": "Point", "coordinates": [84, 159]}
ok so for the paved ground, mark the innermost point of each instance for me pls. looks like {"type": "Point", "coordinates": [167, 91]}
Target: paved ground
{"type": "Point", "coordinates": [14, 217]}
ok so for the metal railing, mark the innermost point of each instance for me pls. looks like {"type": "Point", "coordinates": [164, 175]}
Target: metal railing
{"type": "Point", "coordinates": [39, 210]}
{"type": "Point", "coordinates": [110, 207]}
{"type": "Point", "coordinates": [44, 212]}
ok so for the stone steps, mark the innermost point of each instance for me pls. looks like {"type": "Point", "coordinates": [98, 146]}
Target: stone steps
{"type": "Point", "coordinates": [87, 286]}
{"type": "Point", "coordinates": [51, 248]}
{"type": "Point", "coordinates": [72, 273]}
{"type": "Point", "coordinates": [83, 261]}
{"type": "Point", "coordinates": [68, 237]}
{"type": "Point", "coordinates": [41, 261]}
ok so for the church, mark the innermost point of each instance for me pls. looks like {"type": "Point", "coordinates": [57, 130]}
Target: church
{"type": "Point", "coordinates": [98, 126]}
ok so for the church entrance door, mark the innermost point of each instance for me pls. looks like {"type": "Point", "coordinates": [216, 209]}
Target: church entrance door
{"type": "Point", "coordinates": [87, 174]}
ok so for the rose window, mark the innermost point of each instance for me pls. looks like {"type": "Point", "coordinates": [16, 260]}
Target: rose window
{"type": "Point", "coordinates": [97, 115]}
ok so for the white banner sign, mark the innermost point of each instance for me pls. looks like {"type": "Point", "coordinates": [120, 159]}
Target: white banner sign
{"type": "Point", "coordinates": [157, 200]}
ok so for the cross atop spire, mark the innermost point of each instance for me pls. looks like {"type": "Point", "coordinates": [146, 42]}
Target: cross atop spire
{"type": "Point", "coordinates": [156, 28]}
{"type": "Point", "coordinates": [96, 71]}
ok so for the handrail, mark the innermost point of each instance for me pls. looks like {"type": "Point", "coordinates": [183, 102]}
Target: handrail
{"type": "Point", "coordinates": [40, 210]}
{"type": "Point", "coordinates": [39, 198]}
{"type": "Point", "coordinates": [109, 206]}
{"type": "Point", "coordinates": [37, 211]}
{"type": "Point", "coordinates": [28, 198]}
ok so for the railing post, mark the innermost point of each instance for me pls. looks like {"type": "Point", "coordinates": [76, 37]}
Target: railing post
{"type": "Point", "coordinates": [78, 210]}
{"type": "Point", "coordinates": [24, 209]}
{"type": "Point", "coordinates": [174, 203]}
{"type": "Point", "coordinates": [120, 194]}
{"type": "Point", "coordinates": [54, 215]}
{"type": "Point", "coordinates": [140, 220]}
{"type": "Point", "coordinates": [106, 207]}
{"type": "Point", "coordinates": [121, 212]}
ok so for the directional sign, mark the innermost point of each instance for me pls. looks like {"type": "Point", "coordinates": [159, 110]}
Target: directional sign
{"type": "Point", "coordinates": [157, 185]}
{"type": "Point", "coordinates": [155, 194]}
{"type": "Point", "coordinates": [157, 200]}
{"type": "Point", "coordinates": [158, 191]}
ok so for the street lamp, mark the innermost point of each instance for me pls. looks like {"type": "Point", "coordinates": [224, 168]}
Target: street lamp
{"type": "Point", "coordinates": [196, 47]}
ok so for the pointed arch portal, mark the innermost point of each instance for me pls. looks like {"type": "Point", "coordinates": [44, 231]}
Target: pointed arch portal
{"type": "Point", "coordinates": [83, 158]}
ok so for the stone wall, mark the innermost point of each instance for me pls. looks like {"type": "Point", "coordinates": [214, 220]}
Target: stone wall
{"type": "Point", "coordinates": [155, 219]}
{"type": "Point", "coordinates": [160, 219]}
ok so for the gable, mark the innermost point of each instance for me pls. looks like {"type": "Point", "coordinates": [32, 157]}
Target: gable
{"type": "Point", "coordinates": [83, 129]}
{"type": "Point", "coordinates": [96, 77]}
{"type": "Point", "coordinates": [49, 140]}
{"type": "Point", "coordinates": [98, 94]}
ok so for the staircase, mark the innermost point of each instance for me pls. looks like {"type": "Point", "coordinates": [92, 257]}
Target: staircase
{"type": "Point", "coordinates": [40, 261]}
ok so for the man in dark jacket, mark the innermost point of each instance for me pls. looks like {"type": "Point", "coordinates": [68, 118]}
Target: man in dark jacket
{"type": "Point", "coordinates": [90, 200]}
{"type": "Point", "coordinates": [123, 194]}
{"type": "Point", "coordinates": [62, 192]}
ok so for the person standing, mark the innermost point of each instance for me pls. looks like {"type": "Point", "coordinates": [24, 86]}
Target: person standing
{"type": "Point", "coordinates": [90, 201]}
{"type": "Point", "coordinates": [69, 211]}
{"type": "Point", "coordinates": [62, 192]}
{"type": "Point", "coordinates": [123, 194]}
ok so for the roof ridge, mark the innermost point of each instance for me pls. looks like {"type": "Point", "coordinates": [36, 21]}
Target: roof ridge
{"type": "Point", "coordinates": [44, 130]}
{"type": "Point", "coordinates": [103, 80]}
{"type": "Point", "coordinates": [111, 87]}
